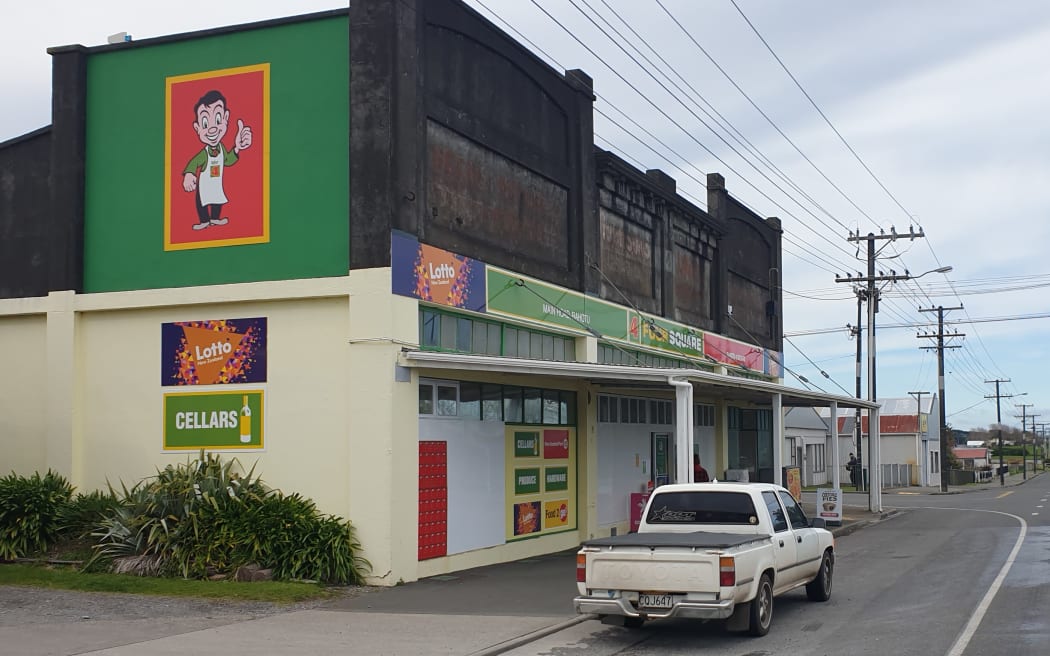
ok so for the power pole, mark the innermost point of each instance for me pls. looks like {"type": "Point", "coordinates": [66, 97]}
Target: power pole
{"type": "Point", "coordinates": [872, 293]}
{"type": "Point", "coordinates": [940, 383]}
{"type": "Point", "coordinates": [1024, 427]}
{"type": "Point", "coordinates": [918, 431]}
{"type": "Point", "coordinates": [999, 423]}
{"type": "Point", "coordinates": [1023, 457]}
{"type": "Point", "coordinates": [1046, 446]}
{"type": "Point", "coordinates": [855, 331]}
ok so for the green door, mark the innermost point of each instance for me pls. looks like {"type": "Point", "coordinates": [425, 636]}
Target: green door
{"type": "Point", "coordinates": [663, 459]}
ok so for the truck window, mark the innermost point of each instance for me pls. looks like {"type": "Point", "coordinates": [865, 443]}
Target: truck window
{"type": "Point", "coordinates": [776, 513]}
{"type": "Point", "coordinates": [702, 508]}
{"type": "Point", "coordinates": [794, 511]}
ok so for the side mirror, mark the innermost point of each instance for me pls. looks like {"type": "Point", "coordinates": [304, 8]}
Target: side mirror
{"type": "Point", "coordinates": [818, 522]}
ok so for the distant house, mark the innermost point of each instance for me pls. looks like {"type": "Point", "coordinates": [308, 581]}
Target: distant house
{"type": "Point", "coordinates": [909, 436]}
{"type": "Point", "coordinates": [807, 446]}
{"type": "Point", "coordinates": [971, 457]}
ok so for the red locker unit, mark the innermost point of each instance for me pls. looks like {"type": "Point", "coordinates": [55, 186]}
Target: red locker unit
{"type": "Point", "coordinates": [433, 499]}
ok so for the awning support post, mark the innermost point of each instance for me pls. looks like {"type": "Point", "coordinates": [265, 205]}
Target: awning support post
{"type": "Point", "coordinates": [836, 467]}
{"type": "Point", "coordinates": [683, 430]}
{"type": "Point", "coordinates": [778, 439]}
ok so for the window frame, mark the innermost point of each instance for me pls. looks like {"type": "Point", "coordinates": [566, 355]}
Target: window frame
{"type": "Point", "coordinates": [776, 511]}
{"type": "Point", "coordinates": [793, 510]}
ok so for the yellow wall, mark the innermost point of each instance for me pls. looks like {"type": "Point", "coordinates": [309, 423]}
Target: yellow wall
{"type": "Point", "coordinates": [305, 416]}
{"type": "Point", "coordinates": [341, 420]}
{"type": "Point", "coordinates": [23, 394]}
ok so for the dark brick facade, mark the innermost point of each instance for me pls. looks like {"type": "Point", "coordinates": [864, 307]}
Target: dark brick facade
{"type": "Point", "coordinates": [465, 139]}
{"type": "Point", "coordinates": [24, 212]}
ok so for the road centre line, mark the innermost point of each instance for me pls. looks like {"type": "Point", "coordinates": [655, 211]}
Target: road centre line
{"type": "Point", "coordinates": [978, 614]}
{"type": "Point", "coordinates": [1005, 494]}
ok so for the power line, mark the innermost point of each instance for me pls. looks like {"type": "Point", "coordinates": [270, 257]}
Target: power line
{"type": "Point", "coordinates": [688, 133]}
{"type": "Point", "coordinates": [960, 322]}
{"type": "Point", "coordinates": [822, 372]}
{"type": "Point", "coordinates": [765, 116]}
{"type": "Point", "coordinates": [819, 111]}
{"type": "Point", "coordinates": [722, 121]}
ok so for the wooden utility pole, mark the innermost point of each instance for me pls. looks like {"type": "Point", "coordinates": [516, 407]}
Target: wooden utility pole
{"type": "Point", "coordinates": [940, 383]}
{"type": "Point", "coordinates": [1024, 427]}
{"type": "Point", "coordinates": [999, 423]}
{"type": "Point", "coordinates": [872, 294]}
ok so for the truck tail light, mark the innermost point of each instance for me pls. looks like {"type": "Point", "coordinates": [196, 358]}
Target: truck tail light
{"type": "Point", "coordinates": [727, 571]}
{"type": "Point", "coordinates": [581, 568]}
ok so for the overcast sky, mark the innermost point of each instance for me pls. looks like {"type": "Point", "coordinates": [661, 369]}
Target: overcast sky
{"type": "Point", "coordinates": [946, 102]}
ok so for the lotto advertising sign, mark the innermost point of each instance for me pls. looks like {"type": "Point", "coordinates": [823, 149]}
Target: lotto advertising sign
{"type": "Point", "coordinates": [213, 352]}
{"type": "Point", "coordinates": [436, 275]}
{"type": "Point", "coordinates": [213, 420]}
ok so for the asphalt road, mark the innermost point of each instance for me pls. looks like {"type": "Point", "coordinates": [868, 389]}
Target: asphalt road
{"type": "Point", "coordinates": [956, 574]}
{"type": "Point", "coordinates": [946, 575]}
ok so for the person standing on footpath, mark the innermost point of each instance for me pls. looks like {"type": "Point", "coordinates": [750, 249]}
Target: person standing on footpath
{"type": "Point", "coordinates": [852, 466]}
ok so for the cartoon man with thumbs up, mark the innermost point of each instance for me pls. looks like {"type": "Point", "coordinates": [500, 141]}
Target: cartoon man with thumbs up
{"type": "Point", "coordinates": [203, 174]}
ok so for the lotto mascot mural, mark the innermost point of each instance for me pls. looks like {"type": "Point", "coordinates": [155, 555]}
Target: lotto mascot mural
{"type": "Point", "coordinates": [216, 169]}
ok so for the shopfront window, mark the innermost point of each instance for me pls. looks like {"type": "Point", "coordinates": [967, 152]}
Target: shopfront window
{"type": "Point", "coordinates": [492, 402]}
{"type": "Point", "coordinates": [750, 434]}
{"type": "Point", "coordinates": [446, 331]}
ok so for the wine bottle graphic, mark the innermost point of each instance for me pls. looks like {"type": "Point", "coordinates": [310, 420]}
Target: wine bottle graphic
{"type": "Point", "coordinates": [246, 422]}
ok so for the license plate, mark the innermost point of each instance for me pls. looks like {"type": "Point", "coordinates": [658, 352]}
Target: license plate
{"type": "Point", "coordinates": [655, 601]}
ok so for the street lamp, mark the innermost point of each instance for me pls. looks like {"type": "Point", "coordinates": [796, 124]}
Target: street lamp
{"type": "Point", "coordinates": [943, 269]}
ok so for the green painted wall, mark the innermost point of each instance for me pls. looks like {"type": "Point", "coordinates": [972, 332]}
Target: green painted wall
{"type": "Point", "coordinates": [308, 151]}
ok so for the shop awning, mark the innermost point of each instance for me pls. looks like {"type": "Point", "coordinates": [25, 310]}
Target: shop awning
{"type": "Point", "coordinates": [758, 392]}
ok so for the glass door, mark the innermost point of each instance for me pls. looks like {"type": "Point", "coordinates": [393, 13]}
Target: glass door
{"type": "Point", "coordinates": [663, 459]}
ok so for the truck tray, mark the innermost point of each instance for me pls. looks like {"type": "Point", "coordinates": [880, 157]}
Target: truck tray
{"type": "Point", "coordinates": [698, 539]}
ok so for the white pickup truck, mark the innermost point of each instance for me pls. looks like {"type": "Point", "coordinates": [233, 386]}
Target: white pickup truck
{"type": "Point", "coordinates": [708, 551]}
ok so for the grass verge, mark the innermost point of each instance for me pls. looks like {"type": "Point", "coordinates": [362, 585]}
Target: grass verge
{"type": "Point", "coordinates": [66, 578]}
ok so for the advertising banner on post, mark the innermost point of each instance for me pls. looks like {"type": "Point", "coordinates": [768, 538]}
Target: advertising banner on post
{"type": "Point", "coordinates": [793, 481]}
{"type": "Point", "coordinates": [829, 505]}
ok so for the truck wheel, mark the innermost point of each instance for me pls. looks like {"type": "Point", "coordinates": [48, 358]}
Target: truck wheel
{"type": "Point", "coordinates": [761, 614]}
{"type": "Point", "coordinates": [819, 589]}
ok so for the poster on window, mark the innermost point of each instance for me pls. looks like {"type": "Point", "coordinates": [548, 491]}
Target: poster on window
{"type": "Point", "coordinates": [540, 480]}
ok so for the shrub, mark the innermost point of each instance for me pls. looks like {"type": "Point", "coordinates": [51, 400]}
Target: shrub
{"type": "Point", "coordinates": [202, 518]}
{"type": "Point", "coordinates": [29, 509]}
{"type": "Point", "coordinates": [78, 517]}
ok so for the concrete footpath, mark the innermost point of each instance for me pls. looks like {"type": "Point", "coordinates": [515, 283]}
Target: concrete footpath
{"type": "Point", "coordinates": [478, 612]}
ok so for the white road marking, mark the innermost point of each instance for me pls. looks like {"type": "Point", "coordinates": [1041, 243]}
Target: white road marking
{"type": "Point", "coordinates": [978, 614]}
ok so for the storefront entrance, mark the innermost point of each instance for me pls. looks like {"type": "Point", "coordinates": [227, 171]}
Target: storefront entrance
{"type": "Point", "coordinates": [663, 454]}
{"type": "Point", "coordinates": [750, 445]}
